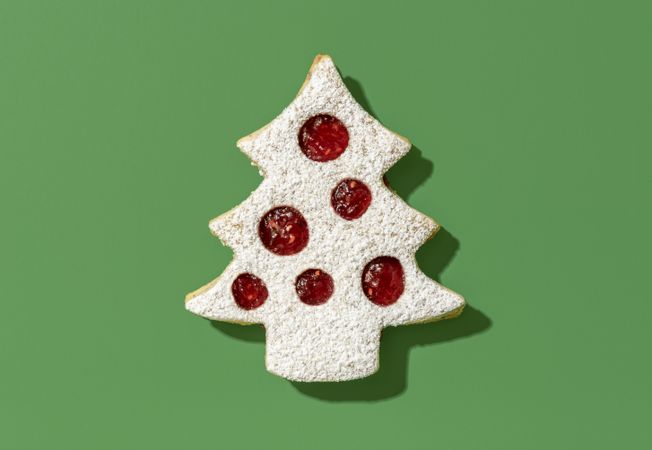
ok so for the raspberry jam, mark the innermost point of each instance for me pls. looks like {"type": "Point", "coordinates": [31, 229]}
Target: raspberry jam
{"type": "Point", "coordinates": [383, 281]}
{"type": "Point", "coordinates": [249, 291]}
{"type": "Point", "coordinates": [350, 199]}
{"type": "Point", "coordinates": [323, 138]}
{"type": "Point", "coordinates": [314, 287]}
{"type": "Point", "coordinates": [283, 231]}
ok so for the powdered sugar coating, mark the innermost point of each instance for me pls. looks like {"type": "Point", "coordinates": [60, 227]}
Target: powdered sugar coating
{"type": "Point", "coordinates": [340, 339]}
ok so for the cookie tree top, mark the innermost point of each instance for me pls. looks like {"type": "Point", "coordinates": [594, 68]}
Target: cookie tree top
{"type": "Point", "coordinates": [324, 251]}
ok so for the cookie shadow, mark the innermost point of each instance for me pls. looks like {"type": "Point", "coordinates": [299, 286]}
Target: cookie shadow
{"type": "Point", "coordinates": [247, 333]}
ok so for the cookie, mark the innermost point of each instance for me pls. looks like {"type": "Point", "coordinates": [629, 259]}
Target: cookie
{"type": "Point", "coordinates": [323, 250]}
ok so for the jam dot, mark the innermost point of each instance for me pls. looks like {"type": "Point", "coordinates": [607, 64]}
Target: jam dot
{"type": "Point", "coordinates": [314, 287]}
{"type": "Point", "coordinates": [283, 231]}
{"type": "Point", "coordinates": [350, 199]}
{"type": "Point", "coordinates": [249, 291]}
{"type": "Point", "coordinates": [323, 138]}
{"type": "Point", "coordinates": [382, 280]}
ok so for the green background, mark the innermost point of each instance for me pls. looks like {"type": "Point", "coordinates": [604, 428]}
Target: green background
{"type": "Point", "coordinates": [531, 125]}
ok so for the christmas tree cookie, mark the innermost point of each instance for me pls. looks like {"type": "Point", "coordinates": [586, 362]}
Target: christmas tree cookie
{"type": "Point", "coordinates": [323, 250]}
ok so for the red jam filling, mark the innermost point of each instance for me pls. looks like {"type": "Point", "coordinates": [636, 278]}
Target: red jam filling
{"type": "Point", "coordinates": [350, 199]}
{"type": "Point", "coordinates": [283, 231]}
{"type": "Point", "coordinates": [323, 138]}
{"type": "Point", "coordinates": [314, 287]}
{"type": "Point", "coordinates": [249, 291]}
{"type": "Point", "coordinates": [383, 281]}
